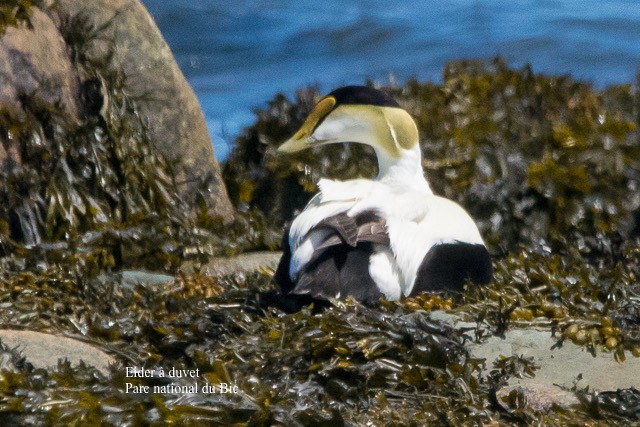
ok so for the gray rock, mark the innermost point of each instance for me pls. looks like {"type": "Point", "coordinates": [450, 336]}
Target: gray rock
{"type": "Point", "coordinates": [176, 121]}
{"type": "Point", "coordinates": [28, 65]}
{"type": "Point", "coordinates": [453, 320]}
{"type": "Point", "coordinates": [243, 263]}
{"type": "Point", "coordinates": [36, 62]}
{"type": "Point", "coordinates": [540, 396]}
{"type": "Point", "coordinates": [560, 367]}
{"type": "Point", "coordinates": [44, 350]}
{"type": "Point", "coordinates": [130, 279]}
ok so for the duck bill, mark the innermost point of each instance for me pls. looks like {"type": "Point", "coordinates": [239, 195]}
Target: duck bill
{"type": "Point", "coordinates": [303, 138]}
{"type": "Point", "coordinates": [293, 144]}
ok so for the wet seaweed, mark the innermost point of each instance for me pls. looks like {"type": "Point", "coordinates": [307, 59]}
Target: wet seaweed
{"type": "Point", "coordinates": [350, 357]}
{"type": "Point", "coordinates": [94, 190]}
{"type": "Point", "coordinates": [349, 365]}
{"type": "Point", "coordinates": [547, 165]}
{"type": "Point", "coordinates": [534, 158]}
{"type": "Point", "coordinates": [14, 13]}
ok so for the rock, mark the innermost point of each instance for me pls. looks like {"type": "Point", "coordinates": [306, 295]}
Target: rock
{"type": "Point", "coordinates": [540, 396]}
{"type": "Point", "coordinates": [131, 279]}
{"type": "Point", "coordinates": [176, 121]}
{"type": "Point", "coordinates": [36, 62]}
{"type": "Point", "coordinates": [451, 319]}
{"type": "Point", "coordinates": [44, 350]}
{"type": "Point", "coordinates": [560, 367]}
{"type": "Point", "coordinates": [243, 263]}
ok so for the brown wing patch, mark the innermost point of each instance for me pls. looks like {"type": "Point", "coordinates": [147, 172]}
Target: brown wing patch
{"type": "Point", "coordinates": [366, 227]}
{"type": "Point", "coordinates": [345, 227]}
{"type": "Point", "coordinates": [339, 266]}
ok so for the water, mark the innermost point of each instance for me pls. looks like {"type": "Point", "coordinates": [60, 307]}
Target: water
{"type": "Point", "coordinates": [238, 54]}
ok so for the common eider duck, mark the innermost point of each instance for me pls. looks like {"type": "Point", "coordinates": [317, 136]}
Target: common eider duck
{"type": "Point", "coordinates": [385, 237]}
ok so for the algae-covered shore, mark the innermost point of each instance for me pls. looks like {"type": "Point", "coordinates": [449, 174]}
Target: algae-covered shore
{"type": "Point", "coordinates": [549, 167]}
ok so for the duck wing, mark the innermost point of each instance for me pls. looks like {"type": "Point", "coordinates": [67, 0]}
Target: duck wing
{"type": "Point", "coordinates": [351, 231]}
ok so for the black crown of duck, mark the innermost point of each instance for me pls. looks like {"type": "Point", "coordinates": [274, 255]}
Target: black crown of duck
{"type": "Point", "coordinates": [386, 237]}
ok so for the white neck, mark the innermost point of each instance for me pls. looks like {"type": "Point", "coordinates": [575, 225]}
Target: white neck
{"type": "Point", "coordinates": [405, 170]}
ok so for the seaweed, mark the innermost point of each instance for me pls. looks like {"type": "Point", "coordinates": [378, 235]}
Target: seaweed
{"type": "Point", "coordinates": [94, 190]}
{"type": "Point", "coordinates": [348, 365]}
{"type": "Point", "coordinates": [548, 166]}
{"type": "Point", "coordinates": [534, 158]}
{"type": "Point", "coordinates": [17, 12]}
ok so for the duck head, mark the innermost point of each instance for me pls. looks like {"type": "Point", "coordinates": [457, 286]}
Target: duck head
{"type": "Point", "coordinates": [360, 114]}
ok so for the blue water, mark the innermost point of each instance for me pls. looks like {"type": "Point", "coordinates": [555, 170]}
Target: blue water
{"type": "Point", "coordinates": [238, 54]}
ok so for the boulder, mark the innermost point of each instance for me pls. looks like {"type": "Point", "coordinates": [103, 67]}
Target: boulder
{"type": "Point", "coordinates": [45, 350]}
{"type": "Point", "coordinates": [176, 122]}
{"type": "Point", "coordinates": [561, 368]}
{"type": "Point", "coordinates": [35, 61]}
